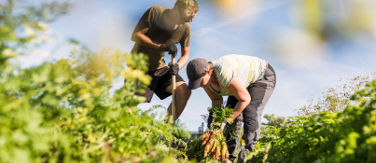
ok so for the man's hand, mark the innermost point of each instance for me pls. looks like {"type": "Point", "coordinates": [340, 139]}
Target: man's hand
{"type": "Point", "coordinates": [171, 48]}
{"type": "Point", "coordinates": [174, 68]}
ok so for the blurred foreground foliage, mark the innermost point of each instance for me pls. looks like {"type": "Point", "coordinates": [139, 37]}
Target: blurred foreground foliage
{"type": "Point", "coordinates": [338, 19]}
{"type": "Point", "coordinates": [24, 26]}
{"type": "Point", "coordinates": [323, 20]}
{"type": "Point", "coordinates": [64, 112]}
{"type": "Point", "coordinates": [68, 111]}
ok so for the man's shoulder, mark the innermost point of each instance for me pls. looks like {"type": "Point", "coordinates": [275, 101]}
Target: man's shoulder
{"type": "Point", "coordinates": [186, 27]}
{"type": "Point", "coordinates": [158, 8]}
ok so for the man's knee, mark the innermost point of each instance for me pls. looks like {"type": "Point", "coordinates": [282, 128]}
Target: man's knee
{"type": "Point", "coordinates": [183, 89]}
{"type": "Point", "coordinates": [251, 125]}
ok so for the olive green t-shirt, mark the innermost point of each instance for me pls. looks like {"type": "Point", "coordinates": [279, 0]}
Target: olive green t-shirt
{"type": "Point", "coordinates": [154, 20]}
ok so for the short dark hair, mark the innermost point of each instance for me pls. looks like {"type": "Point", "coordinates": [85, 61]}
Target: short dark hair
{"type": "Point", "coordinates": [190, 7]}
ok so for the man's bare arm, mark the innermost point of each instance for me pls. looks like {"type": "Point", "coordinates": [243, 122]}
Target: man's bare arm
{"type": "Point", "coordinates": [141, 38]}
{"type": "Point", "coordinates": [184, 57]}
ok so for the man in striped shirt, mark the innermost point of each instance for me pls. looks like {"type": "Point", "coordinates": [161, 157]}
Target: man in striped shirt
{"type": "Point", "coordinates": [248, 81]}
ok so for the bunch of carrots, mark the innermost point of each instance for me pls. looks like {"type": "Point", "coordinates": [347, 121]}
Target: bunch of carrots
{"type": "Point", "coordinates": [214, 144]}
{"type": "Point", "coordinates": [211, 145]}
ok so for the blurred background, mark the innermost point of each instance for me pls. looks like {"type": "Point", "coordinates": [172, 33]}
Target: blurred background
{"type": "Point", "coordinates": [312, 44]}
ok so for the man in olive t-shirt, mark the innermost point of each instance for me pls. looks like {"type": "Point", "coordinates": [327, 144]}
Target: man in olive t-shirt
{"type": "Point", "coordinates": [158, 32]}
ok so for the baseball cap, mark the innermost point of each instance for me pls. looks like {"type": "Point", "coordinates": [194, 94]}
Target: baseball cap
{"type": "Point", "coordinates": [195, 70]}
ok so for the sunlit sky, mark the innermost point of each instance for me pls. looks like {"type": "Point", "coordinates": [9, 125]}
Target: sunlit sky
{"type": "Point", "coordinates": [268, 29]}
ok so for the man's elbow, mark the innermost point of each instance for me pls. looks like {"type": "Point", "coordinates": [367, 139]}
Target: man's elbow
{"type": "Point", "coordinates": [246, 100]}
{"type": "Point", "coordinates": [135, 37]}
{"type": "Point", "coordinates": [185, 54]}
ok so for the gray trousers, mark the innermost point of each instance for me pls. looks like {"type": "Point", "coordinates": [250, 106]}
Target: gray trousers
{"type": "Point", "coordinates": [260, 92]}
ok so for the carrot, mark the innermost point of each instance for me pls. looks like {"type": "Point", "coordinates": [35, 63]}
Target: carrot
{"type": "Point", "coordinates": [208, 138]}
{"type": "Point", "coordinates": [203, 136]}
{"type": "Point", "coordinates": [212, 135]}
{"type": "Point", "coordinates": [227, 154]}
{"type": "Point", "coordinates": [213, 147]}
{"type": "Point", "coordinates": [205, 141]}
{"type": "Point", "coordinates": [223, 151]}
{"type": "Point", "coordinates": [213, 154]}
{"type": "Point", "coordinates": [217, 153]}
{"type": "Point", "coordinates": [208, 147]}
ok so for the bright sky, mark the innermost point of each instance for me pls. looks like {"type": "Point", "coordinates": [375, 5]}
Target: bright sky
{"type": "Point", "coordinates": [267, 29]}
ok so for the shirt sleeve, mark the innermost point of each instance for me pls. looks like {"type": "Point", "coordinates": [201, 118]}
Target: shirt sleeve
{"type": "Point", "coordinates": [145, 22]}
{"type": "Point", "coordinates": [184, 42]}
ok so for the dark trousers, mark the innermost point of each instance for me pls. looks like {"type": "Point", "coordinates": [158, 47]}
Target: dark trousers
{"type": "Point", "coordinates": [260, 92]}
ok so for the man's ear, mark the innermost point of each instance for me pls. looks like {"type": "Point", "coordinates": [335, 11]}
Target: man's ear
{"type": "Point", "coordinates": [209, 71]}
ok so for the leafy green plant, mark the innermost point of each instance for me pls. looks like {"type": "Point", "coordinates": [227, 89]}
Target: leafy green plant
{"type": "Point", "coordinates": [336, 99]}
{"type": "Point", "coordinates": [346, 136]}
{"type": "Point", "coordinates": [220, 113]}
{"type": "Point", "coordinates": [273, 120]}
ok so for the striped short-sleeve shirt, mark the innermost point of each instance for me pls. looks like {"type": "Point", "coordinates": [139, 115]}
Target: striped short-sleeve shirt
{"type": "Point", "coordinates": [247, 69]}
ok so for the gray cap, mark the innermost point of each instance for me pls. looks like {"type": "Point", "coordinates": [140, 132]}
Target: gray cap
{"type": "Point", "coordinates": [195, 70]}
